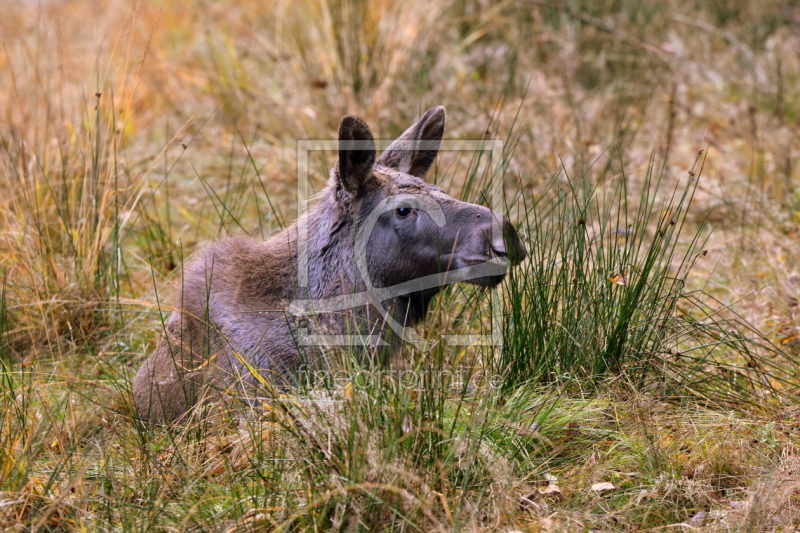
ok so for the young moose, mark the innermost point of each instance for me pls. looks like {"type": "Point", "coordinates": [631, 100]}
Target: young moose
{"type": "Point", "coordinates": [236, 298]}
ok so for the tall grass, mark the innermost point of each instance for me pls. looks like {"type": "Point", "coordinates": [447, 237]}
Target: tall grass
{"type": "Point", "coordinates": [61, 237]}
{"type": "Point", "coordinates": [605, 296]}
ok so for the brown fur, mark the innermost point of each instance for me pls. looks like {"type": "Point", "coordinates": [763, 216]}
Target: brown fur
{"type": "Point", "coordinates": [235, 293]}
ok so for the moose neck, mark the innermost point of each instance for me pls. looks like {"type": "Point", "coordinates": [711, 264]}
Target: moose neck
{"type": "Point", "coordinates": [412, 308]}
{"type": "Point", "coordinates": [330, 237]}
{"type": "Point", "coordinates": [328, 246]}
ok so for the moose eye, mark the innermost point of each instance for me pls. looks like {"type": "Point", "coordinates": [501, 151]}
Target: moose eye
{"type": "Point", "coordinates": [403, 212]}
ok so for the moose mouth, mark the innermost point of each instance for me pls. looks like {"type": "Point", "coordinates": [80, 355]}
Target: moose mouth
{"type": "Point", "coordinates": [487, 281]}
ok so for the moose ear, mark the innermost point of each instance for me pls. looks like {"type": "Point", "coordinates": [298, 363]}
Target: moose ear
{"type": "Point", "coordinates": [414, 151]}
{"type": "Point", "coordinates": [356, 154]}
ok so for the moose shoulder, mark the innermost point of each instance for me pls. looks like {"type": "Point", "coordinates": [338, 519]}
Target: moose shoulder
{"type": "Point", "coordinates": [234, 313]}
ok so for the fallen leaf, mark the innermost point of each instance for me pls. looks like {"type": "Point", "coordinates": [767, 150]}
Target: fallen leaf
{"type": "Point", "coordinates": [551, 489]}
{"type": "Point", "coordinates": [618, 279]}
{"type": "Point", "coordinates": [699, 519]}
{"type": "Point", "coordinates": [602, 487]}
{"type": "Point", "coordinates": [791, 340]}
{"type": "Point", "coordinates": [573, 429]}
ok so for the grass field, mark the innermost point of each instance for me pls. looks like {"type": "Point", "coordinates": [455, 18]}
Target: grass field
{"type": "Point", "coordinates": [648, 376]}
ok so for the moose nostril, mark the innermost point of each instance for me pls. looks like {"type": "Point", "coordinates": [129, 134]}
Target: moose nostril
{"type": "Point", "coordinates": [499, 252]}
{"type": "Point", "coordinates": [504, 241]}
{"type": "Point", "coordinates": [514, 248]}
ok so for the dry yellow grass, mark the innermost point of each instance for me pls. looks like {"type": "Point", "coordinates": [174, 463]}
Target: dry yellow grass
{"type": "Point", "coordinates": [120, 118]}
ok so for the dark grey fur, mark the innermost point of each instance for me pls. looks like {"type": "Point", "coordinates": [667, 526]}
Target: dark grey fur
{"type": "Point", "coordinates": [234, 294]}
